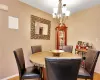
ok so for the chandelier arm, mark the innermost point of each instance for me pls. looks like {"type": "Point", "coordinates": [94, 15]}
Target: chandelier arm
{"type": "Point", "coordinates": [64, 19]}
{"type": "Point", "coordinates": [57, 20]}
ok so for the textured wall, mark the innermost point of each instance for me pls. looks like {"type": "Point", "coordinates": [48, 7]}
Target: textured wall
{"type": "Point", "coordinates": [85, 26]}
{"type": "Point", "coordinates": [12, 39]}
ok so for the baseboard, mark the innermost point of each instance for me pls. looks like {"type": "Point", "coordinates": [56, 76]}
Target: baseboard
{"type": "Point", "coordinates": [18, 75]}
{"type": "Point", "coordinates": [10, 77]}
{"type": "Point", "coordinates": [97, 72]}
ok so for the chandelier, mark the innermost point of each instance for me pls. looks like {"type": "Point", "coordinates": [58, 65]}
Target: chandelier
{"type": "Point", "coordinates": [61, 13]}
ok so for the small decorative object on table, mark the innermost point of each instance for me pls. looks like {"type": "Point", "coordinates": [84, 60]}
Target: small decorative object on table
{"type": "Point", "coordinates": [83, 45]}
{"type": "Point", "coordinates": [56, 53]}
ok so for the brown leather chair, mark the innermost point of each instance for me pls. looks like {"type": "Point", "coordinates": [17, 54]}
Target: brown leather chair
{"type": "Point", "coordinates": [62, 69]}
{"type": "Point", "coordinates": [25, 73]}
{"type": "Point", "coordinates": [90, 63]}
{"type": "Point", "coordinates": [36, 48]}
{"type": "Point", "coordinates": [68, 48]}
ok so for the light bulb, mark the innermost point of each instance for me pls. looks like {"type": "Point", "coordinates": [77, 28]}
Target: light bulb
{"type": "Point", "coordinates": [54, 15]}
{"type": "Point", "coordinates": [67, 13]}
{"type": "Point", "coordinates": [55, 10]}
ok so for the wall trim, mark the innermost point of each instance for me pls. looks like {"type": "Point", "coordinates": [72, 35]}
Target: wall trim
{"type": "Point", "coordinates": [18, 75]}
{"type": "Point", "coordinates": [97, 72]}
{"type": "Point", "coordinates": [10, 77]}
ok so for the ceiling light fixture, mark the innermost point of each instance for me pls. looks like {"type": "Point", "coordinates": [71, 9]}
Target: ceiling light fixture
{"type": "Point", "coordinates": [61, 13]}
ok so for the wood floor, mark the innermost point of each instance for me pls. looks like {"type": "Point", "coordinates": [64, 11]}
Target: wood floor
{"type": "Point", "coordinates": [96, 77]}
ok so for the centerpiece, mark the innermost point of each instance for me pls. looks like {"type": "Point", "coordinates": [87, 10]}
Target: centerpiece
{"type": "Point", "coordinates": [56, 53]}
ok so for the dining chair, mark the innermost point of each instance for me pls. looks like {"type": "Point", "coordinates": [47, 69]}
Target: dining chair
{"type": "Point", "coordinates": [62, 68]}
{"type": "Point", "coordinates": [36, 48]}
{"type": "Point", "coordinates": [87, 71]}
{"type": "Point", "coordinates": [25, 73]}
{"type": "Point", "coordinates": [68, 48]}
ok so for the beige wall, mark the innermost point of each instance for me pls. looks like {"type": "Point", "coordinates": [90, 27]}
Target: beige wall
{"type": "Point", "coordinates": [85, 26]}
{"type": "Point", "coordinates": [12, 39]}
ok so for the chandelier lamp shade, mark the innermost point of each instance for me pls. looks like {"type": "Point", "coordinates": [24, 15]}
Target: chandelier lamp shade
{"type": "Point", "coordinates": [61, 13]}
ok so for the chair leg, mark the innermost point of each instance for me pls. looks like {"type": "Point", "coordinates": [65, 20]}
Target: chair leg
{"type": "Point", "coordinates": [91, 78]}
{"type": "Point", "coordinates": [21, 79]}
{"type": "Point", "coordinates": [41, 73]}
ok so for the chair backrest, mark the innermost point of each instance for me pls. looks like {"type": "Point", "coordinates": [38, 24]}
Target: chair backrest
{"type": "Point", "coordinates": [36, 48]}
{"type": "Point", "coordinates": [91, 59]}
{"type": "Point", "coordinates": [19, 56]}
{"type": "Point", "coordinates": [68, 48]}
{"type": "Point", "coordinates": [62, 69]}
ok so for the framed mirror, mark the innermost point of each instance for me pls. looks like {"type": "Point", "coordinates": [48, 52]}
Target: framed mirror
{"type": "Point", "coordinates": [40, 28]}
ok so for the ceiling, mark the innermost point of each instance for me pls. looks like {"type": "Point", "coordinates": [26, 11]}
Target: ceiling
{"type": "Point", "coordinates": [72, 5]}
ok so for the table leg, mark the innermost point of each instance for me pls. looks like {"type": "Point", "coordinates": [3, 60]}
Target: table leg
{"type": "Point", "coordinates": [83, 59]}
{"type": "Point", "coordinates": [44, 73]}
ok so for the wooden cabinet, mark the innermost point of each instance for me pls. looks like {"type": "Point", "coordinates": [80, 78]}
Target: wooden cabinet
{"type": "Point", "coordinates": [61, 36]}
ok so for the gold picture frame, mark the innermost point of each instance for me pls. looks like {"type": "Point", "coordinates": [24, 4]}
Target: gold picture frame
{"type": "Point", "coordinates": [40, 28]}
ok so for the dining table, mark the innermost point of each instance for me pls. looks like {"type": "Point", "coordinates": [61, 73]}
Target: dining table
{"type": "Point", "coordinates": [38, 59]}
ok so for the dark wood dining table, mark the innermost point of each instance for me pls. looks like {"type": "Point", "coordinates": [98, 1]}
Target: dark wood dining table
{"type": "Point", "coordinates": [38, 59]}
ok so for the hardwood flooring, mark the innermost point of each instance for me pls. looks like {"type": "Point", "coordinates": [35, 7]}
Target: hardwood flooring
{"type": "Point", "coordinates": [96, 77]}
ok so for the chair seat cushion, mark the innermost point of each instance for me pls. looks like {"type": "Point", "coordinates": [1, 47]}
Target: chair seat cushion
{"type": "Point", "coordinates": [30, 73]}
{"type": "Point", "coordinates": [83, 73]}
